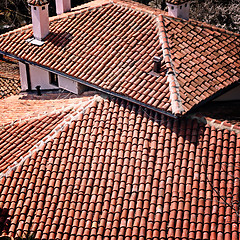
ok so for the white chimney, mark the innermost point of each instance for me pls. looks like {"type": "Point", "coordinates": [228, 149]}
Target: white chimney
{"type": "Point", "coordinates": [63, 6]}
{"type": "Point", "coordinates": [178, 8]}
{"type": "Point", "coordinates": [40, 18]}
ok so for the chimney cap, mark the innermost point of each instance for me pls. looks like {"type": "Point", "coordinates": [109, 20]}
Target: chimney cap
{"type": "Point", "coordinates": [37, 2]}
{"type": "Point", "coordinates": [176, 2]}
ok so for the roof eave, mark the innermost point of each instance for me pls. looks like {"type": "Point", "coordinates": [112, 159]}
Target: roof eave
{"type": "Point", "coordinates": [214, 96]}
{"type": "Point", "coordinates": [95, 86]}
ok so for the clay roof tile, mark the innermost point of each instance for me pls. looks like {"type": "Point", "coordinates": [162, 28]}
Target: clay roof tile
{"type": "Point", "coordinates": [37, 2]}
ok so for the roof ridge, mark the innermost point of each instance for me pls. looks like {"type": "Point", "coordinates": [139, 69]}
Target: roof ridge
{"type": "Point", "coordinates": [218, 124]}
{"type": "Point", "coordinates": [212, 27]}
{"type": "Point", "coordinates": [140, 7]}
{"type": "Point", "coordinates": [65, 121]}
{"type": "Point", "coordinates": [89, 5]}
{"type": "Point", "coordinates": [176, 102]}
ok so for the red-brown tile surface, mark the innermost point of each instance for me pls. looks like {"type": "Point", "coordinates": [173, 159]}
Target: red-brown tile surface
{"type": "Point", "coordinates": [122, 172]}
{"type": "Point", "coordinates": [111, 45]}
{"type": "Point", "coordinates": [38, 2]}
{"type": "Point", "coordinates": [19, 137]}
{"type": "Point", "coordinates": [9, 78]}
{"type": "Point", "coordinates": [28, 106]}
{"type": "Point", "coordinates": [176, 2]}
{"type": "Point", "coordinates": [205, 58]}
{"type": "Point", "coordinates": [9, 86]}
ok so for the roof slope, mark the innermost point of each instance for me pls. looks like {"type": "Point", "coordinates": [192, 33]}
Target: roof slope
{"type": "Point", "coordinates": [9, 86]}
{"type": "Point", "coordinates": [18, 139]}
{"type": "Point", "coordinates": [121, 172]}
{"type": "Point", "coordinates": [110, 45]}
{"type": "Point", "coordinates": [206, 59]}
{"type": "Point", "coordinates": [29, 105]}
{"type": "Point", "coordinates": [9, 78]}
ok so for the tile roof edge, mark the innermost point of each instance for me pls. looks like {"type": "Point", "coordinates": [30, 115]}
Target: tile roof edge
{"type": "Point", "coordinates": [176, 2]}
{"type": "Point", "coordinates": [99, 3]}
{"type": "Point", "coordinates": [212, 27]}
{"type": "Point", "coordinates": [82, 7]}
{"type": "Point", "coordinates": [140, 7]}
{"type": "Point", "coordinates": [198, 23]}
{"type": "Point", "coordinates": [75, 10]}
{"type": "Point", "coordinates": [66, 120]}
{"type": "Point", "coordinates": [222, 125]}
{"type": "Point", "coordinates": [26, 27]}
{"type": "Point", "coordinates": [176, 102]}
{"type": "Point", "coordinates": [95, 3]}
{"type": "Point", "coordinates": [102, 90]}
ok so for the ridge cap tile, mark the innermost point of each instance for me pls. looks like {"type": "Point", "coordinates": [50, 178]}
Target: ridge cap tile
{"type": "Point", "coordinates": [175, 97]}
{"type": "Point", "coordinates": [118, 80]}
{"type": "Point", "coordinates": [118, 170]}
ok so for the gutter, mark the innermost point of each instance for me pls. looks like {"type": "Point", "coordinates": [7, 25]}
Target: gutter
{"type": "Point", "coordinates": [93, 86]}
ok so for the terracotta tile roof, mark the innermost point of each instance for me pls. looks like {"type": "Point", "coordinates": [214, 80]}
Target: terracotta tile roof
{"type": "Point", "coordinates": [9, 79]}
{"type": "Point", "coordinates": [206, 59]}
{"type": "Point", "coordinates": [118, 171]}
{"type": "Point", "coordinates": [37, 2]}
{"type": "Point", "coordinates": [177, 2]}
{"type": "Point", "coordinates": [9, 68]}
{"type": "Point", "coordinates": [110, 45]}
{"type": "Point", "coordinates": [29, 106]}
{"type": "Point", "coordinates": [18, 139]}
{"type": "Point", "coordinates": [9, 87]}
{"type": "Point", "coordinates": [223, 115]}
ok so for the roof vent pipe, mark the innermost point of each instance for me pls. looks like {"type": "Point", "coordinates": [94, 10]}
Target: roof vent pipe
{"type": "Point", "coordinates": [38, 90]}
{"type": "Point", "coordinates": [63, 6]}
{"type": "Point", "coordinates": [157, 64]}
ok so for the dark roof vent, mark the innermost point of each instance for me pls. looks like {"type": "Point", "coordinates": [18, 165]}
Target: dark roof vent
{"type": "Point", "coordinates": [157, 63]}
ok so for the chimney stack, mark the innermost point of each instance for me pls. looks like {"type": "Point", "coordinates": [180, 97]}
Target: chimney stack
{"type": "Point", "coordinates": [178, 8]}
{"type": "Point", "coordinates": [63, 6]}
{"type": "Point", "coordinates": [40, 18]}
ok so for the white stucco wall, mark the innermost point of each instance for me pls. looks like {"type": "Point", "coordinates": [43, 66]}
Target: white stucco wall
{"type": "Point", "coordinates": [68, 84]}
{"type": "Point", "coordinates": [23, 76]}
{"type": "Point", "coordinates": [233, 94]}
{"type": "Point", "coordinates": [179, 11]}
{"type": "Point", "coordinates": [40, 77]}
{"type": "Point", "coordinates": [40, 21]}
{"type": "Point", "coordinates": [63, 6]}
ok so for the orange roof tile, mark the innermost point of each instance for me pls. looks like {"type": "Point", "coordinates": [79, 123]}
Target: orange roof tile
{"type": "Point", "coordinates": [37, 2]}
{"type": "Point", "coordinates": [119, 171]}
{"type": "Point", "coordinates": [110, 46]}
{"type": "Point", "coordinates": [9, 79]}
{"type": "Point", "coordinates": [9, 87]}
{"type": "Point", "coordinates": [177, 2]}
{"type": "Point", "coordinates": [29, 121]}
{"type": "Point", "coordinates": [29, 106]}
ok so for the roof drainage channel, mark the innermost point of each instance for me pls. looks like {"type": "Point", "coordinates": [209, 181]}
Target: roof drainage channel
{"type": "Point", "coordinates": [94, 86]}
